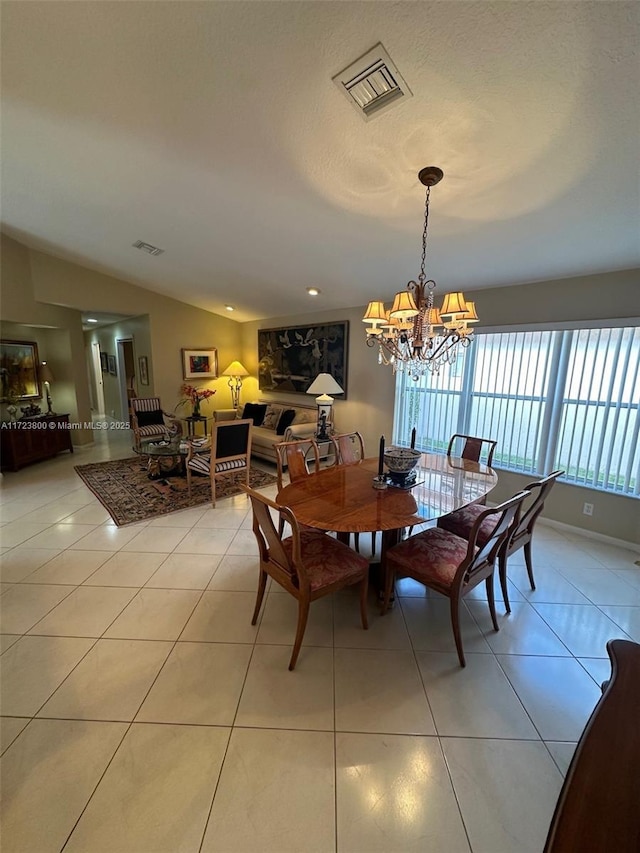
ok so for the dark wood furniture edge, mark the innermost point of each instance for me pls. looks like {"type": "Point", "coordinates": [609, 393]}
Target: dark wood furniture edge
{"type": "Point", "coordinates": [598, 809]}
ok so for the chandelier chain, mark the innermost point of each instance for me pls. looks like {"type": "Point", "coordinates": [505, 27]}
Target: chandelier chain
{"type": "Point", "coordinates": [414, 335]}
{"type": "Point", "coordinates": [423, 265]}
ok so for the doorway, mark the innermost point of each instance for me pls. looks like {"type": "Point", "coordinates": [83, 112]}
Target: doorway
{"type": "Point", "coordinates": [126, 374]}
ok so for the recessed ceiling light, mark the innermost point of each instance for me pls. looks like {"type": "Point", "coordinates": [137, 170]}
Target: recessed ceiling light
{"type": "Point", "coordinates": [91, 320]}
{"type": "Point", "coordinates": [313, 291]}
{"type": "Point", "coordinates": [229, 307]}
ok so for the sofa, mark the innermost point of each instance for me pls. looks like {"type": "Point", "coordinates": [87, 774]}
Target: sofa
{"type": "Point", "coordinates": [274, 422]}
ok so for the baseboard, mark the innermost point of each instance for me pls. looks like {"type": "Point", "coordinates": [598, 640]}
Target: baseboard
{"type": "Point", "coordinates": [590, 534]}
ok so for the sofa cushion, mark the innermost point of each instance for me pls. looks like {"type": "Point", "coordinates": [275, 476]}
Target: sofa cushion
{"type": "Point", "coordinates": [150, 418]}
{"type": "Point", "coordinates": [271, 417]}
{"type": "Point", "coordinates": [255, 411]}
{"type": "Point", "coordinates": [285, 420]}
{"type": "Point", "coordinates": [304, 416]}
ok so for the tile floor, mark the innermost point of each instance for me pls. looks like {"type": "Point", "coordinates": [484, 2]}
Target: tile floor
{"type": "Point", "coordinates": [142, 712]}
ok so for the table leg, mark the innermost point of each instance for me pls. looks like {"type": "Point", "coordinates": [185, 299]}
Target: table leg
{"type": "Point", "coordinates": [389, 539]}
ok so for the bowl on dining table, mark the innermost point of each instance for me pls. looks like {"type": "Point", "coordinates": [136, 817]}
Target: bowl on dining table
{"type": "Point", "coordinates": [401, 460]}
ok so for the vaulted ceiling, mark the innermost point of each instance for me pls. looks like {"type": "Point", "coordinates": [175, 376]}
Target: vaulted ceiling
{"type": "Point", "coordinates": [213, 130]}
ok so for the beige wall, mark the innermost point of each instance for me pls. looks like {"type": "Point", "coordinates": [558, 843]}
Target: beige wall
{"type": "Point", "coordinates": [369, 407]}
{"type": "Point", "coordinates": [40, 289]}
{"type": "Point", "coordinates": [138, 331]}
{"type": "Point", "coordinates": [32, 280]}
{"type": "Point", "coordinates": [370, 390]}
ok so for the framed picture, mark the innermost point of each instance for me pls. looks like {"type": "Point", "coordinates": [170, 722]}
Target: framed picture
{"type": "Point", "coordinates": [19, 370]}
{"type": "Point", "coordinates": [290, 358]}
{"type": "Point", "coordinates": [104, 362]}
{"type": "Point", "coordinates": [113, 369]}
{"type": "Point", "coordinates": [143, 368]}
{"type": "Point", "coordinates": [200, 363]}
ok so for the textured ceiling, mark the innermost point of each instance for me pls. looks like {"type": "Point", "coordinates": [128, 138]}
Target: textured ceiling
{"type": "Point", "coordinates": [213, 130]}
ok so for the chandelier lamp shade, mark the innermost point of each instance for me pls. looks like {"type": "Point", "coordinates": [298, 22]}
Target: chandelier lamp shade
{"type": "Point", "coordinates": [236, 372]}
{"type": "Point", "coordinates": [324, 384]}
{"type": "Point", "coordinates": [414, 335]}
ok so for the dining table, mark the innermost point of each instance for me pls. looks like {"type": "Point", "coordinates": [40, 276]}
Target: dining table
{"type": "Point", "coordinates": [342, 498]}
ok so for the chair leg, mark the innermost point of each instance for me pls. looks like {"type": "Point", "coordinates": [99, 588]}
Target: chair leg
{"type": "Point", "coordinates": [262, 584]}
{"type": "Point", "coordinates": [455, 623]}
{"type": "Point", "coordinates": [189, 480]}
{"type": "Point", "coordinates": [303, 615]}
{"type": "Point", "coordinates": [356, 542]}
{"type": "Point", "coordinates": [364, 589]}
{"type": "Point", "coordinates": [529, 561]}
{"type": "Point", "coordinates": [502, 570]}
{"type": "Point", "coordinates": [492, 602]}
{"type": "Point", "coordinates": [373, 543]}
{"type": "Point", "coordinates": [213, 491]}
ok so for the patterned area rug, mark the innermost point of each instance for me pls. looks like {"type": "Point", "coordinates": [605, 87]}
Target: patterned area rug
{"type": "Point", "coordinates": [126, 492]}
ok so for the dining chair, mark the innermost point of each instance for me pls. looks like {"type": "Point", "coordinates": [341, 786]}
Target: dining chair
{"type": "Point", "coordinates": [473, 448]}
{"type": "Point", "coordinates": [451, 565]}
{"type": "Point", "coordinates": [294, 456]}
{"type": "Point", "coordinates": [348, 449]}
{"type": "Point", "coordinates": [462, 521]}
{"type": "Point", "coordinates": [226, 452]}
{"type": "Point", "coordinates": [308, 563]}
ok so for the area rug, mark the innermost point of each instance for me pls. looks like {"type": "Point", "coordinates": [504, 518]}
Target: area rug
{"type": "Point", "coordinates": [126, 492]}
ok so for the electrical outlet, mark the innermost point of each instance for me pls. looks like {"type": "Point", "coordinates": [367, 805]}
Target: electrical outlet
{"type": "Point", "coordinates": [587, 509]}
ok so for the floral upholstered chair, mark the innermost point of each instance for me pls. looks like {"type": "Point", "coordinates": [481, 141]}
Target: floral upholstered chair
{"type": "Point", "coordinates": [452, 565]}
{"type": "Point", "coordinates": [462, 520]}
{"type": "Point", "coordinates": [308, 564]}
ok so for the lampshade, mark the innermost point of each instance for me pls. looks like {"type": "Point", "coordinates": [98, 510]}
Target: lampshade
{"type": "Point", "coordinates": [470, 315]}
{"type": "Point", "coordinates": [375, 314]}
{"type": "Point", "coordinates": [235, 369]}
{"type": "Point", "coordinates": [404, 305]}
{"type": "Point", "coordinates": [324, 383]}
{"type": "Point", "coordinates": [454, 303]}
{"type": "Point", "coordinates": [45, 373]}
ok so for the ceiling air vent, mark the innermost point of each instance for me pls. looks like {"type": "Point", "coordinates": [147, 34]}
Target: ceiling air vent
{"type": "Point", "coordinates": [147, 247]}
{"type": "Point", "coordinates": [372, 83]}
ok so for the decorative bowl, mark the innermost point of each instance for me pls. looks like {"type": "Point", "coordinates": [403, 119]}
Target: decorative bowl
{"type": "Point", "coordinates": [401, 460]}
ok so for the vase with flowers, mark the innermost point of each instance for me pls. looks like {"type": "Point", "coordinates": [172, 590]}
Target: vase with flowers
{"type": "Point", "coordinates": [195, 396]}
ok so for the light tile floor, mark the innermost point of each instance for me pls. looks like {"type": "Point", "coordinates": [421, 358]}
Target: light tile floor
{"type": "Point", "coordinates": [142, 712]}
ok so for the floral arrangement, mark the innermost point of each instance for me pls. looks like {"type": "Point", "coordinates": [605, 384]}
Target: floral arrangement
{"type": "Point", "coordinates": [195, 396]}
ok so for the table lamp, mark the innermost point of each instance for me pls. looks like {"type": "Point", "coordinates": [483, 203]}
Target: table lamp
{"type": "Point", "coordinates": [235, 372]}
{"type": "Point", "coordinates": [47, 378]}
{"type": "Point", "coordinates": [324, 384]}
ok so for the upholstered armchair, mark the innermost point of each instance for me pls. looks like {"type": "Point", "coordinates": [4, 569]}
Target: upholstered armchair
{"type": "Point", "coordinates": [148, 420]}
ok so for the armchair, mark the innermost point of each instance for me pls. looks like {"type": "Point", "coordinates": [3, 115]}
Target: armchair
{"type": "Point", "coordinates": [148, 420]}
{"type": "Point", "coordinates": [225, 453]}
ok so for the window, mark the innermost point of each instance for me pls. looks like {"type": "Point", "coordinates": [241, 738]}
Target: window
{"type": "Point", "coordinates": [564, 399]}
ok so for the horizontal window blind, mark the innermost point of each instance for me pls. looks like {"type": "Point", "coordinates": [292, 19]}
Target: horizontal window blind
{"type": "Point", "coordinates": [564, 399]}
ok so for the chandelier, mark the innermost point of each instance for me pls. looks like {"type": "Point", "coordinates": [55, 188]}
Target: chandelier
{"type": "Point", "coordinates": [415, 336]}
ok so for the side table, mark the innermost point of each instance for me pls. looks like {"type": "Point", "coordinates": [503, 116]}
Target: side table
{"type": "Point", "coordinates": [193, 420]}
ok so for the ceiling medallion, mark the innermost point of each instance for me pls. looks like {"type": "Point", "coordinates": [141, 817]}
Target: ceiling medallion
{"type": "Point", "coordinates": [415, 336]}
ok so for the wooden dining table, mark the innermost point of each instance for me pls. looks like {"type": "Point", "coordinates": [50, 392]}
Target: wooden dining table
{"type": "Point", "coordinates": [342, 498]}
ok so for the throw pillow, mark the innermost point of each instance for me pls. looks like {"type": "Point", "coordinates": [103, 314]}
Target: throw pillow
{"type": "Point", "coordinates": [271, 417]}
{"type": "Point", "coordinates": [304, 416]}
{"type": "Point", "coordinates": [150, 418]}
{"type": "Point", "coordinates": [255, 411]}
{"type": "Point", "coordinates": [286, 419]}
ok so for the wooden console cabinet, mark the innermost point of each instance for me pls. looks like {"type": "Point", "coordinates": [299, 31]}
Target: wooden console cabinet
{"type": "Point", "coordinates": [33, 439]}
